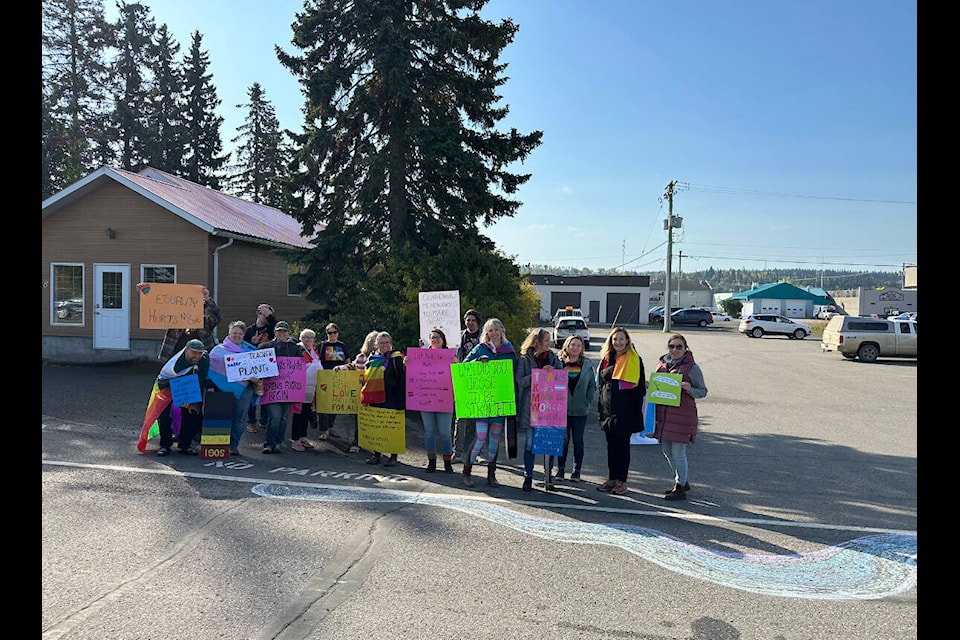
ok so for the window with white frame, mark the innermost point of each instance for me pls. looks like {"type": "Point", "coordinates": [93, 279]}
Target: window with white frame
{"type": "Point", "coordinates": [66, 294]}
{"type": "Point", "coordinates": [165, 273]}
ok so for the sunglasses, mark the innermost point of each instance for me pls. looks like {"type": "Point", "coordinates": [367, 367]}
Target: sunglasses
{"type": "Point", "coordinates": [674, 346]}
{"type": "Point", "coordinates": [332, 333]}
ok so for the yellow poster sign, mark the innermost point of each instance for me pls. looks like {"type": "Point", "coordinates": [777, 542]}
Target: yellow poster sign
{"type": "Point", "coordinates": [338, 391]}
{"type": "Point", "coordinates": [382, 430]}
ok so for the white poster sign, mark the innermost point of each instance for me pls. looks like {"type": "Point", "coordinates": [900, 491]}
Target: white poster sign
{"type": "Point", "coordinates": [440, 309]}
{"type": "Point", "coordinates": [261, 363]}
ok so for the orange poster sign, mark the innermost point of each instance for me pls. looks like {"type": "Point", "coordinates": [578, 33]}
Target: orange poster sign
{"type": "Point", "coordinates": [171, 306]}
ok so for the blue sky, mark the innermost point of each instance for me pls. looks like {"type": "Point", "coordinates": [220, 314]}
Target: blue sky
{"type": "Point", "coordinates": [791, 126]}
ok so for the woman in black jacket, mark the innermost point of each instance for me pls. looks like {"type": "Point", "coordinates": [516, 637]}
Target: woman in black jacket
{"type": "Point", "coordinates": [621, 383]}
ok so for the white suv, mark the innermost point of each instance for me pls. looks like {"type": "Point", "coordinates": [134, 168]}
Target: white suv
{"type": "Point", "coordinates": [756, 325]}
{"type": "Point", "coordinates": [571, 326]}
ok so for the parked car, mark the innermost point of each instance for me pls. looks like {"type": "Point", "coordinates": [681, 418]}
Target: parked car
{"type": "Point", "coordinates": [756, 325]}
{"type": "Point", "coordinates": [69, 309]}
{"type": "Point", "coordinates": [571, 326]}
{"type": "Point", "coordinates": [694, 317]}
{"type": "Point", "coordinates": [721, 317]}
{"type": "Point", "coordinates": [655, 315]}
{"type": "Point", "coordinates": [566, 312]}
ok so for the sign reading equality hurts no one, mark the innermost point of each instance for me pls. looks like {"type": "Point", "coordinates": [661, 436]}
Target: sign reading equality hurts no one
{"type": "Point", "coordinates": [171, 306]}
{"type": "Point", "coordinates": [484, 389]}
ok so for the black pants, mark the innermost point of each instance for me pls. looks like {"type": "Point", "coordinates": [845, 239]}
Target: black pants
{"type": "Point", "coordinates": [618, 453]}
{"type": "Point", "coordinates": [190, 425]}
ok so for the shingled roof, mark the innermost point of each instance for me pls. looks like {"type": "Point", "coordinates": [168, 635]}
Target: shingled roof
{"type": "Point", "coordinates": [215, 212]}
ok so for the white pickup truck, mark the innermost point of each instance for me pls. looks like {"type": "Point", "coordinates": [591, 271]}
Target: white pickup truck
{"type": "Point", "coordinates": [870, 338]}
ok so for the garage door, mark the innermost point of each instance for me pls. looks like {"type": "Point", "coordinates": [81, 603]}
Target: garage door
{"type": "Point", "coordinates": [623, 308]}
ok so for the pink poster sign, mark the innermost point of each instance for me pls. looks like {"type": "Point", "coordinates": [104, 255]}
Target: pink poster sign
{"type": "Point", "coordinates": [289, 385]}
{"type": "Point", "coordinates": [548, 398]}
{"type": "Point", "coordinates": [429, 383]}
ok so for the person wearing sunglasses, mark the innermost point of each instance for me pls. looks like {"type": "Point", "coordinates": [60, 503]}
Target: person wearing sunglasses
{"type": "Point", "coordinates": [676, 427]}
{"type": "Point", "coordinates": [333, 353]}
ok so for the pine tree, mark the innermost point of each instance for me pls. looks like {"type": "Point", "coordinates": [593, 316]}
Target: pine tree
{"type": "Point", "coordinates": [202, 159]}
{"type": "Point", "coordinates": [400, 146]}
{"type": "Point", "coordinates": [165, 140]}
{"type": "Point", "coordinates": [260, 153]}
{"type": "Point", "coordinates": [75, 97]}
{"type": "Point", "coordinates": [135, 58]}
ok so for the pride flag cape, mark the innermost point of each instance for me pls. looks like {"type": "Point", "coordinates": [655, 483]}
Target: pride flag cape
{"type": "Point", "coordinates": [627, 370]}
{"type": "Point", "coordinates": [374, 390]}
{"type": "Point", "coordinates": [159, 399]}
{"type": "Point", "coordinates": [218, 366]}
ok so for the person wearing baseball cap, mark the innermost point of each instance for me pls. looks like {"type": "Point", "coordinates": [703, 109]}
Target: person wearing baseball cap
{"type": "Point", "coordinates": [191, 360]}
{"type": "Point", "coordinates": [284, 346]}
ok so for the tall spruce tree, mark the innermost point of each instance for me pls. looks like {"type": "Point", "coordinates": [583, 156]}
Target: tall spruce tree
{"type": "Point", "coordinates": [165, 140]}
{"type": "Point", "coordinates": [75, 98]}
{"type": "Point", "coordinates": [261, 157]}
{"type": "Point", "coordinates": [400, 150]}
{"type": "Point", "coordinates": [135, 28]}
{"type": "Point", "coordinates": [202, 160]}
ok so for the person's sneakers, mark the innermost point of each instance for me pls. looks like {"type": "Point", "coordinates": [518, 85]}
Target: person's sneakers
{"type": "Point", "coordinates": [355, 449]}
{"type": "Point", "coordinates": [575, 476]}
{"type": "Point", "coordinates": [527, 484]}
{"type": "Point", "coordinates": [276, 449]}
{"type": "Point", "coordinates": [607, 486]}
{"type": "Point", "coordinates": [252, 427]}
{"type": "Point", "coordinates": [297, 446]}
{"type": "Point", "coordinates": [549, 486]}
{"type": "Point", "coordinates": [267, 448]}
{"type": "Point", "coordinates": [391, 461]}
{"type": "Point", "coordinates": [457, 459]}
{"type": "Point", "coordinates": [374, 459]}
{"type": "Point", "coordinates": [234, 452]}
{"type": "Point", "coordinates": [559, 475]}
{"type": "Point", "coordinates": [189, 451]}
{"type": "Point", "coordinates": [163, 451]}
{"type": "Point", "coordinates": [619, 488]}
{"type": "Point", "coordinates": [678, 494]}
{"type": "Point", "coordinates": [685, 487]}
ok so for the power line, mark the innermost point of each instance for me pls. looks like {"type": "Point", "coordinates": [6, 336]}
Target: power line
{"type": "Point", "coordinates": [735, 191]}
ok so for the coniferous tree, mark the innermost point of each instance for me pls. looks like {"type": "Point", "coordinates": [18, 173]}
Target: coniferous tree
{"type": "Point", "coordinates": [135, 29]}
{"type": "Point", "coordinates": [202, 159]}
{"type": "Point", "coordinates": [400, 147]}
{"type": "Point", "coordinates": [260, 153]}
{"type": "Point", "coordinates": [165, 140]}
{"type": "Point", "coordinates": [76, 97]}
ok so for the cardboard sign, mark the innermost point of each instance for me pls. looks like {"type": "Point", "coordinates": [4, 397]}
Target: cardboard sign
{"type": "Point", "coordinates": [429, 383]}
{"type": "Point", "coordinates": [171, 306]}
{"type": "Point", "coordinates": [338, 392]}
{"type": "Point", "coordinates": [261, 363]}
{"type": "Point", "coordinates": [548, 398]}
{"type": "Point", "coordinates": [289, 384]}
{"type": "Point", "coordinates": [440, 309]}
{"type": "Point", "coordinates": [484, 389]}
{"type": "Point", "coordinates": [185, 390]}
{"type": "Point", "coordinates": [382, 430]}
{"type": "Point", "coordinates": [548, 441]}
{"type": "Point", "coordinates": [664, 388]}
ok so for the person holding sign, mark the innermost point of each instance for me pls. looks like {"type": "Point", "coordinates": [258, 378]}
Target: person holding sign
{"type": "Point", "coordinates": [278, 413]}
{"type": "Point", "coordinates": [676, 427]}
{"type": "Point", "coordinates": [438, 425]}
{"type": "Point", "coordinates": [581, 394]}
{"type": "Point", "coordinates": [191, 360]}
{"type": "Point", "coordinates": [244, 391]}
{"type": "Point", "coordinates": [535, 353]}
{"type": "Point", "coordinates": [493, 346]}
{"type": "Point", "coordinates": [385, 384]}
{"type": "Point", "coordinates": [622, 385]}
{"type": "Point", "coordinates": [465, 429]}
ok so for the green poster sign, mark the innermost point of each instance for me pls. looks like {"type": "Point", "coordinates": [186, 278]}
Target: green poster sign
{"type": "Point", "coordinates": [664, 388]}
{"type": "Point", "coordinates": [484, 389]}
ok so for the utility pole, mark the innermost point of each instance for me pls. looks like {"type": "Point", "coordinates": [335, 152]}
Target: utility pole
{"type": "Point", "coordinates": [672, 222]}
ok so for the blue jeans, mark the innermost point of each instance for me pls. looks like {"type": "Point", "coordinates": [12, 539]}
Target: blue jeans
{"type": "Point", "coordinates": [676, 455]}
{"type": "Point", "coordinates": [437, 427]}
{"type": "Point", "coordinates": [576, 425]}
{"type": "Point", "coordinates": [240, 407]}
{"type": "Point", "coordinates": [277, 413]}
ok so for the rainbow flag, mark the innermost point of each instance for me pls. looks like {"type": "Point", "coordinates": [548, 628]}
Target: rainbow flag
{"type": "Point", "coordinates": [374, 389]}
{"type": "Point", "coordinates": [627, 370]}
{"type": "Point", "coordinates": [159, 399]}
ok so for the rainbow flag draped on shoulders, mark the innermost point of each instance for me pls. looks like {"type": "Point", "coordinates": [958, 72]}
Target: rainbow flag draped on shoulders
{"type": "Point", "coordinates": [219, 356]}
{"type": "Point", "coordinates": [159, 400]}
{"type": "Point", "coordinates": [627, 370]}
{"type": "Point", "coordinates": [374, 390]}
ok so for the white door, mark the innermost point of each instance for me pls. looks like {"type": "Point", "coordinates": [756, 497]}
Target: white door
{"type": "Point", "coordinates": [111, 306]}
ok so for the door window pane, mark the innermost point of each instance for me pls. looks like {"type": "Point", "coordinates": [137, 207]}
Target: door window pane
{"type": "Point", "coordinates": [67, 297]}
